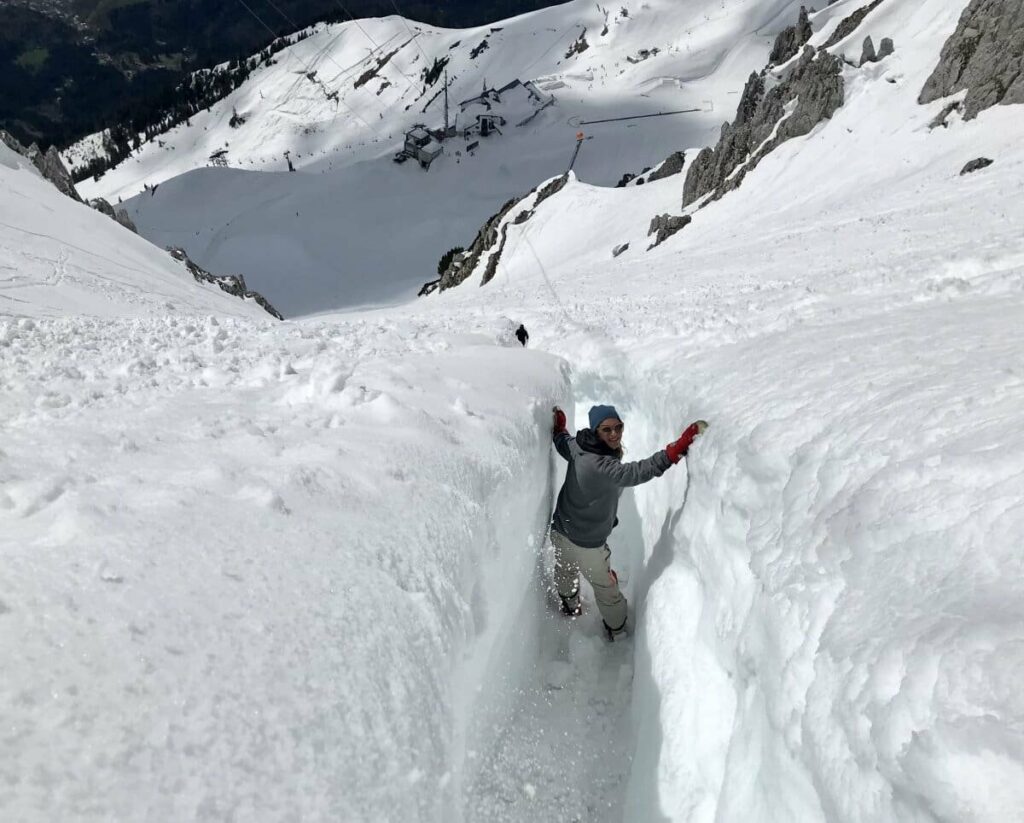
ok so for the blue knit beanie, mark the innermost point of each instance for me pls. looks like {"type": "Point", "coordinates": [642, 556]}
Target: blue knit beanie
{"type": "Point", "coordinates": [600, 413]}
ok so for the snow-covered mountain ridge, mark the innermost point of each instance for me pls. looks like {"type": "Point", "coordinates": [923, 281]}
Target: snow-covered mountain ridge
{"type": "Point", "coordinates": [351, 227]}
{"type": "Point", "coordinates": [298, 570]}
{"type": "Point", "coordinates": [352, 89]}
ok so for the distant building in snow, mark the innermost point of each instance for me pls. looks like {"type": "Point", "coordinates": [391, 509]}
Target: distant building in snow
{"type": "Point", "coordinates": [516, 102]}
{"type": "Point", "coordinates": [420, 145]}
{"type": "Point", "coordinates": [489, 98]}
{"type": "Point", "coordinates": [485, 124]}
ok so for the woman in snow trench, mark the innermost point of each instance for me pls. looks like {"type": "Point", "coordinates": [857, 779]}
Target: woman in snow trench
{"type": "Point", "coordinates": [587, 504]}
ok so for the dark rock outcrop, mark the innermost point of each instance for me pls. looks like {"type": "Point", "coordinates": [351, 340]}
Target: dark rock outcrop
{"type": "Point", "coordinates": [713, 166]}
{"type": "Point", "coordinates": [118, 215]}
{"type": "Point", "coordinates": [702, 176]}
{"type": "Point", "coordinates": [233, 284]}
{"type": "Point", "coordinates": [985, 55]}
{"type": "Point", "coordinates": [12, 143]}
{"type": "Point", "coordinates": [791, 40]}
{"type": "Point", "coordinates": [815, 89]}
{"type": "Point", "coordinates": [50, 166]}
{"type": "Point", "coordinates": [941, 118]}
{"type": "Point", "coordinates": [867, 53]}
{"type": "Point", "coordinates": [665, 225]}
{"type": "Point", "coordinates": [817, 86]}
{"type": "Point", "coordinates": [578, 46]}
{"type": "Point", "coordinates": [491, 234]}
{"type": "Point", "coordinates": [491, 268]}
{"type": "Point", "coordinates": [620, 249]}
{"type": "Point", "coordinates": [487, 238]}
{"type": "Point", "coordinates": [54, 170]}
{"type": "Point", "coordinates": [976, 165]}
{"type": "Point", "coordinates": [375, 69]}
{"type": "Point", "coordinates": [673, 164]}
{"type": "Point", "coordinates": [850, 24]}
{"type": "Point", "coordinates": [551, 189]}
{"type": "Point", "coordinates": [750, 99]}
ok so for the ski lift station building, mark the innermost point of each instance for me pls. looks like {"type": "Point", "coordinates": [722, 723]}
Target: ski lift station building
{"type": "Point", "coordinates": [421, 145]}
{"type": "Point", "coordinates": [516, 102]}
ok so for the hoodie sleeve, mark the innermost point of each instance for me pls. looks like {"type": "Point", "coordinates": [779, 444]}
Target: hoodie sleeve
{"type": "Point", "coordinates": [635, 473]}
{"type": "Point", "coordinates": [561, 440]}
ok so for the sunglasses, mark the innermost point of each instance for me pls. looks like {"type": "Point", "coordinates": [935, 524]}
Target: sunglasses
{"type": "Point", "coordinates": [610, 429]}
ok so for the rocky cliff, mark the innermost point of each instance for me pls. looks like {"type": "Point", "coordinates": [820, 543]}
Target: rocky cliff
{"type": "Point", "coordinates": [985, 56]}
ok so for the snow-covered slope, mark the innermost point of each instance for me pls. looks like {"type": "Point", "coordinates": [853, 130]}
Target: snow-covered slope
{"type": "Point", "coordinates": [351, 227]}
{"type": "Point", "coordinates": [60, 257]}
{"type": "Point", "coordinates": [298, 571]}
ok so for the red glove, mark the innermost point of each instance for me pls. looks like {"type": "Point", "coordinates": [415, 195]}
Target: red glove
{"type": "Point", "coordinates": [559, 422]}
{"type": "Point", "coordinates": [676, 451]}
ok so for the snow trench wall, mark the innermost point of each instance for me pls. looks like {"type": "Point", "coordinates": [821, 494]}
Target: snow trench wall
{"type": "Point", "coordinates": [495, 639]}
{"type": "Point", "coordinates": [683, 702]}
{"type": "Point", "coordinates": [829, 604]}
{"type": "Point", "coordinates": [286, 592]}
{"type": "Point", "coordinates": [832, 618]}
{"type": "Point", "coordinates": [507, 603]}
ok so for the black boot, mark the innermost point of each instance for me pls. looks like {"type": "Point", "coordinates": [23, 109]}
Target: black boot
{"type": "Point", "coordinates": [572, 606]}
{"type": "Point", "coordinates": [611, 635]}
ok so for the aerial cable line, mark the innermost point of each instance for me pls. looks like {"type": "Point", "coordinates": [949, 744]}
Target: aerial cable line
{"type": "Point", "coordinates": [414, 36]}
{"type": "Point", "coordinates": [276, 36]}
{"type": "Point", "coordinates": [259, 20]}
{"type": "Point", "coordinates": [547, 279]}
{"type": "Point", "coordinates": [376, 45]}
{"type": "Point", "coordinates": [295, 26]}
{"type": "Point", "coordinates": [524, 238]}
{"type": "Point", "coordinates": [306, 66]}
{"type": "Point", "coordinates": [544, 53]}
{"type": "Point", "coordinates": [427, 66]}
{"type": "Point", "coordinates": [575, 121]}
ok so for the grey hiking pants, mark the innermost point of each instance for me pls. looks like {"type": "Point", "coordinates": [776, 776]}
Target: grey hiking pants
{"type": "Point", "coordinates": [571, 559]}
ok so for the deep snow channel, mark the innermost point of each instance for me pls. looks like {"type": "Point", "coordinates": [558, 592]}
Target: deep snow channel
{"type": "Point", "coordinates": [560, 731]}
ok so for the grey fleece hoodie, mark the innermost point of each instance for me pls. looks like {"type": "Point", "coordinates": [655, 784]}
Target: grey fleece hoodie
{"type": "Point", "coordinates": [589, 499]}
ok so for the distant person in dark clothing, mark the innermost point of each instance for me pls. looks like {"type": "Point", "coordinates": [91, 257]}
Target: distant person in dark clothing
{"type": "Point", "coordinates": [522, 335]}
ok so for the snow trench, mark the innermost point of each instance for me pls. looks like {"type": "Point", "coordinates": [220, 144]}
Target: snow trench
{"type": "Point", "coordinates": [562, 719]}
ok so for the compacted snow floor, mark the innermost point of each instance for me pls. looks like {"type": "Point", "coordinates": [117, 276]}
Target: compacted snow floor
{"type": "Point", "coordinates": [566, 744]}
